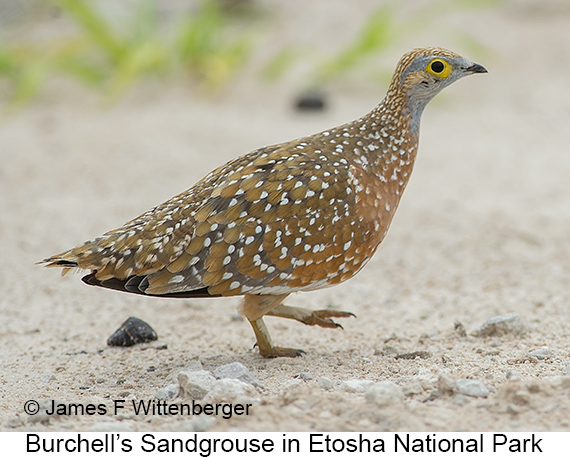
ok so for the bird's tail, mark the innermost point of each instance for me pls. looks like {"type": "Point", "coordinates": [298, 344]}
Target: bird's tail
{"type": "Point", "coordinates": [68, 261]}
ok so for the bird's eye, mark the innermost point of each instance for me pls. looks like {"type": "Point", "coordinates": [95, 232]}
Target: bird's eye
{"type": "Point", "coordinates": [439, 67]}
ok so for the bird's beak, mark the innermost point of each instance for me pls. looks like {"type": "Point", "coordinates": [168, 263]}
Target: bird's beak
{"type": "Point", "coordinates": [476, 68]}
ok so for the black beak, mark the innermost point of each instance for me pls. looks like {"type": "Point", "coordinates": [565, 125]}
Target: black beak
{"type": "Point", "coordinates": [476, 68]}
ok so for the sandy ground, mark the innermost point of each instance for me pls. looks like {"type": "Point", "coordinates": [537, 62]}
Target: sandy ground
{"type": "Point", "coordinates": [483, 230]}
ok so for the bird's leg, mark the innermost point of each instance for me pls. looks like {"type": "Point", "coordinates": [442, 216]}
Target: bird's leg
{"type": "Point", "coordinates": [254, 308]}
{"type": "Point", "coordinates": [321, 317]}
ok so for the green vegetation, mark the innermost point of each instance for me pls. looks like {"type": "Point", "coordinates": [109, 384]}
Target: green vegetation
{"type": "Point", "coordinates": [384, 28]}
{"type": "Point", "coordinates": [207, 46]}
{"type": "Point", "coordinates": [202, 45]}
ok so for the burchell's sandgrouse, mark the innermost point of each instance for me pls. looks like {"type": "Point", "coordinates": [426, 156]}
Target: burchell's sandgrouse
{"type": "Point", "coordinates": [295, 216]}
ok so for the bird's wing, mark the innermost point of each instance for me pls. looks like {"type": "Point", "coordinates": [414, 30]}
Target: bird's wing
{"type": "Point", "coordinates": [276, 220]}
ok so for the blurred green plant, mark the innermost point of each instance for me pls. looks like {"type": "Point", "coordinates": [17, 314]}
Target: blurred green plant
{"type": "Point", "coordinates": [208, 45]}
{"type": "Point", "coordinates": [381, 30]}
{"type": "Point", "coordinates": [377, 33]}
{"type": "Point", "coordinates": [203, 45]}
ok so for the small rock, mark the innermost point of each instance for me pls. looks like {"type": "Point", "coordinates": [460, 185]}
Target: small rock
{"type": "Point", "coordinates": [325, 383]}
{"type": "Point", "coordinates": [195, 384]}
{"type": "Point", "coordinates": [446, 383]}
{"type": "Point", "coordinates": [384, 393]}
{"type": "Point", "coordinates": [501, 325]}
{"type": "Point", "coordinates": [566, 370]}
{"type": "Point", "coordinates": [460, 329]}
{"type": "Point", "coordinates": [412, 388]}
{"type": "Point", "coordinates": [542, 353]}
{"type": "Point", "coordinates": [132, 331]}
{"type": "Point", "coordinates": [518, 395]}
{"type": "Point", "coordinates": [14, 422]}
{"type": "Point", "coordinates": [305, 376]}
{"type": "Point", "coordinates": [310, 101]}
{"type": "Point", "coordinates": [472, 388]}
{"type": "Point", "coordinates": [413, 355]}
{"type": "Point", "coordinates": [355, 385]}
{"type": "Point", "coordinates": [231, 391]}
{"type": "Point", "coordinates": [167, 393]}
{"type": "Point", "coordinates": [560, 382]}
{"type": "Point", "coordinates": [193, 365]}
{"type": "Point", "coordinates": [237, 370]}
{"type": "Point", "coordinates": [512, 375]}
{"type": "Point", "coordinates": [434, 395]}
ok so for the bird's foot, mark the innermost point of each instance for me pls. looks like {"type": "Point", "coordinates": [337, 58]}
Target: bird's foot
{"type": "Point", "coordinates": [322, 317]}
{"type": "Point", "coordinates": [255, 307]}
{"type": "Point", "coordinates": [273, 352]}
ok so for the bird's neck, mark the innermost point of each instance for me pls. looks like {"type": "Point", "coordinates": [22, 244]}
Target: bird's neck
{"type": "Point", "coordinates": [392, 134]}
{"type": "Point", "coordinates": [388, 147]}
{"type": "Point", "coordinates": [381, 158]}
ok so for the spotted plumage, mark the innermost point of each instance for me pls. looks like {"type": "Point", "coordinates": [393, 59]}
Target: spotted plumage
{"type": "Point", "coordinates": [301, 215]}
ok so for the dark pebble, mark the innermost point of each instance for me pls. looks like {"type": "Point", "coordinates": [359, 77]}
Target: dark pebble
{"type": "Point", "coordinates": [460, 329]}
{"type": "Point", "coordinates": [132, 331]}
{"type": "Point", "coordinates": [76, 352]}
{"type": "Point", "coordinates": [413, 355]}
{"type": "Point", "coordinates": [311, 101]}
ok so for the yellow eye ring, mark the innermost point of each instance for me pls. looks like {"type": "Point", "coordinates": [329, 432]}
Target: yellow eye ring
{"type": "Point", "coordinates": [439, 68]}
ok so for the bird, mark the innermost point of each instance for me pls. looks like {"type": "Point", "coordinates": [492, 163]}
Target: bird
{"type": "Point", "coordinates": [296, 216]}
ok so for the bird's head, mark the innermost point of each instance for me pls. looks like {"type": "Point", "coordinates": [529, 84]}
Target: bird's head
{"type": "Point", "coordinates": [422, 73]}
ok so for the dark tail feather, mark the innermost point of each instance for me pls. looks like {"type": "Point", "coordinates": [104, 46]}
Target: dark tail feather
{"type": "Point", "coordinates": [138, 285]}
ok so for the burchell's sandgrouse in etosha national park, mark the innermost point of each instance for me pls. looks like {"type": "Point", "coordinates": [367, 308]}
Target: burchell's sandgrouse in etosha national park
{"type": "Point", "coordinates": [295, 216]}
